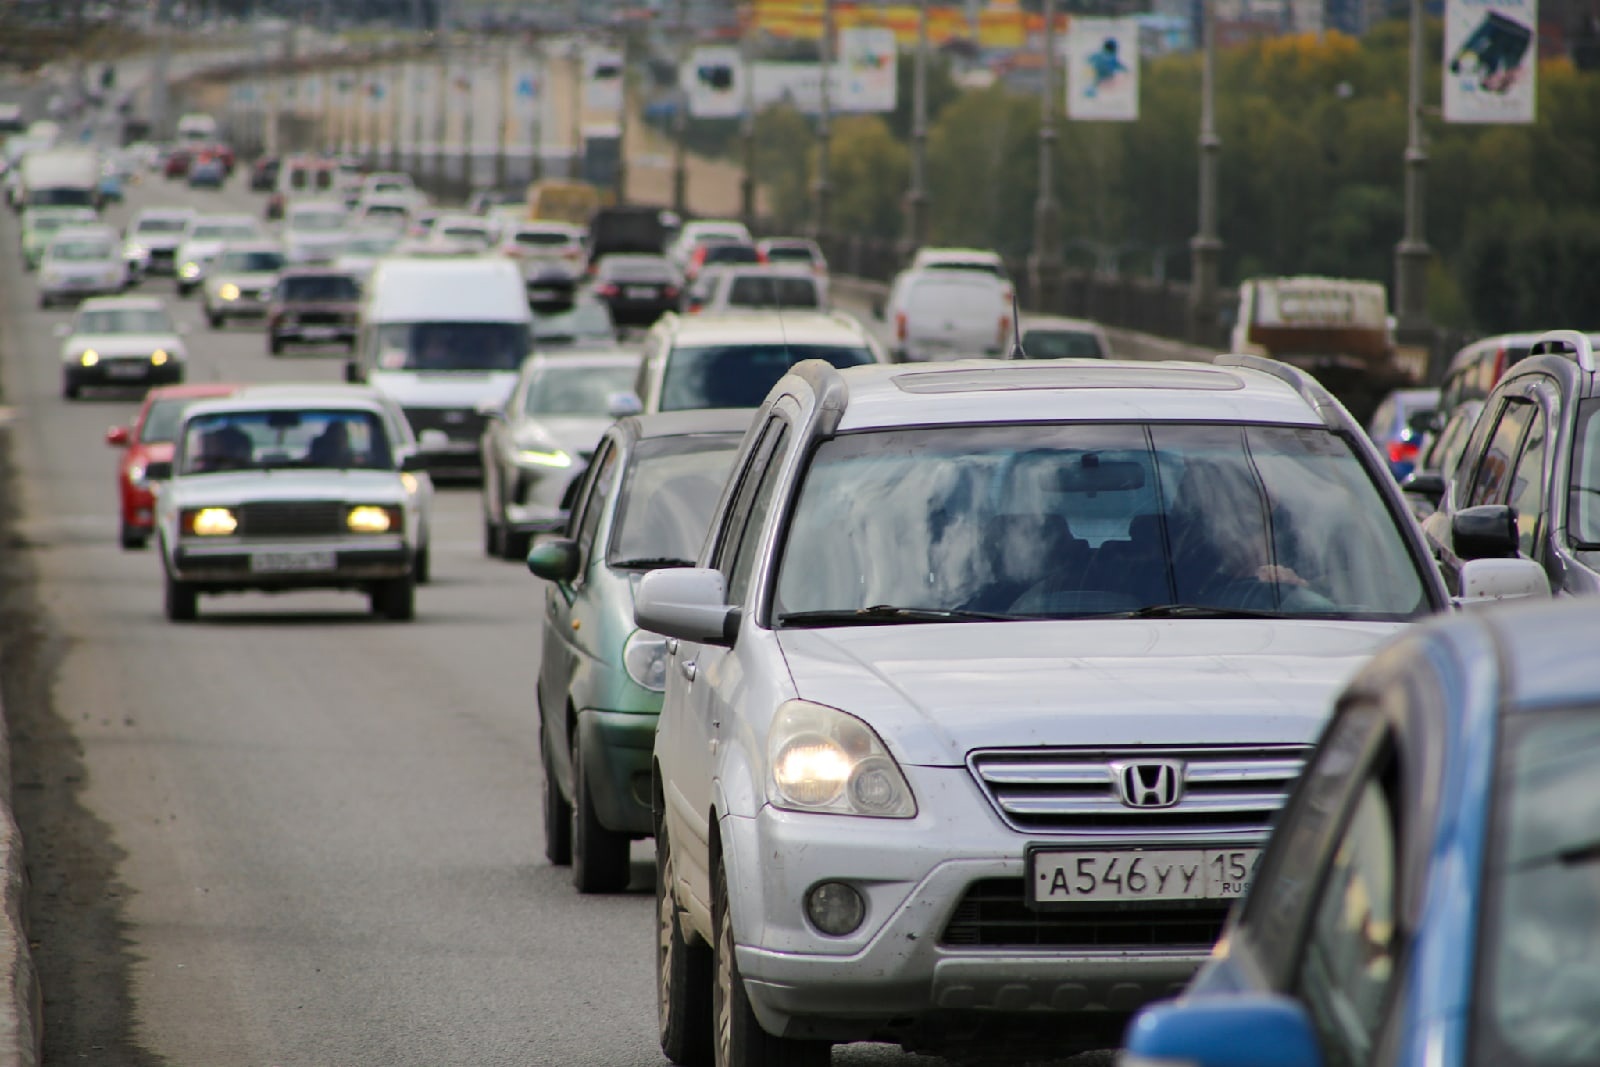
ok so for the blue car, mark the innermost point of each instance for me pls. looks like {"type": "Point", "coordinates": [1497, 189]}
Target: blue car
{"type": "Point", "coordinates": [1431, 895]}
{"type": "Point", "coordinates": [1399, 424]}
{"type": "Point", "coordinates": [110, 188]}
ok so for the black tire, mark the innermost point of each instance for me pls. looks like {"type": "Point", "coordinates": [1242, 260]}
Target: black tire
{"type": "Point", "coordinates": [275, 346]}
{"type": "Point", "coordinates": [740, 1041]}
{"type": "Point", "coordinates": [514, 544]}
{"type": "Point", "coordinates": [396, 598]}
{"type": "Point", "coordinates": [599, 856]}
{"type": "Point", "coordinates": [683, 975]}
{"type": "Point", "coordinates": [493, 538]}
{"type": "Point", "coordinates": [423, 566]}
{"type": "Point", "coordinates": [69, 389]}
{"type": "Point", "coordinates": [182, 601]}
{"type": "Point", "coordinates": [216, 320]}
{"type": "Point", "coordinates": [557, 812]}
{"type": "Point", "coordinates": [184, 290]}
{"type": "Point", "coordinates": [44, 303]}
{"type": "Point", "coordinates": [131, 538]}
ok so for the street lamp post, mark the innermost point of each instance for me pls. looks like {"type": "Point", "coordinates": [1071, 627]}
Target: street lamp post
{"type": "Point", "coordinates": [916, 203]}
{"type": "Point", "coordinates": [747, 133]}
{"type": "Point", "coordinates": [1412, 253]}
{"type": "Point", "coordinates": [1205, 248]}
{"type": "Point", "coordinates": [680, 118]}
{"type": "Point", "coordinates": [1044, 265]}
{"type": "Point", "coordinates": [820, 188]}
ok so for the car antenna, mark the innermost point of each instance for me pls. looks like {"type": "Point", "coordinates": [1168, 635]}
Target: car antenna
{"type": "Point", "coordinates": [1016, 328]}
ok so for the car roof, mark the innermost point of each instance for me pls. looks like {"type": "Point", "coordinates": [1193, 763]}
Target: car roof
{"type": "Point", "coordinates": [758, 270]}
{"type": "Point", "coordinates": [1060, 322]}
{"type": "Point", "coordinates": [295, 206]}
{"type": "Point", "coordinates": [588, 357]}
{"type": "Point", "coordinates": [316, 270]}
{"type": "Point", "coordinates": [224, 217]}
{"type": "Point", "coordinates": [926, 256]}
{"type": "Point", "coordinates": [1003, 391]}
{"type": "Point", "coordinates": [262, 245]}
{"type": "Point", "coordinates": [192, 390]}
{"type": "Point", "coordinates": [679, 423]}
{"type": "Point", "coordinates": [1544, 648]}
{"type": "Point", "coordinates": [767, 327]}
{"type": "Point", "coordinates": [122, 303]}
{"type": "Point", "coordinates": [290, 396]}
{"type": "Point", "coordinates": [81, 232]}
{"type": "Point", "coordinates": [173, 212]}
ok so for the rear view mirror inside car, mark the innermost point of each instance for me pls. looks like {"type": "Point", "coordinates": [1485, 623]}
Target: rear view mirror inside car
{"type": "Point", "coordinates": [1092, 475]}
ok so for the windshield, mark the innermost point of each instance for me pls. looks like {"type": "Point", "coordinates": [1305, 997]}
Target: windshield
{"type": "Point", "coordinates": [251, 262]}
{"type": "Point", "coordinates": [770, 292]}
{"type": "Point", "coordinates": [1077, 520]}
{"type": "Point", "coordinates": [124, 320]}
{"type": "Point", "coordinates": [1583, 504]}
{"type": "Point", "coordinates": [61, 197]}
{"type": "Point", "coordinates": [161, 422]}
{"type": "Point", "coordinates": [543, 239]}
{"type": "Point", "coordinates": [72, 250]}
{"type": "Point", "coordinates": [730, 253]}
{"type": "Point", "coordinates": [222, 232]}
{"type": "Point", "coordinates": [561, 390]}
{"type": "Point", "coordinates": [741, 375]}
{"type": "Point", "coordinates": [471, 234]}
{"type": "Point", "coordinates": [667, 499]}
{"type": "Point", "coordinates": [1061, 344]}
{"type": "Point", "coordinates": [370, 245]}
{"type": "Point", "coordinates": [316, 221]}
{"type": "Point", "coordinates": [453, 346]}
{"type": "Point", "coordinates": [581, 321]}
{"type": "Point", "coordinates": [161, 225]}
{"type": "Point", "coordinates": [1539, 982]}
{"type": "Point", "coordinates": [52, 223]}
{"type": "Point", "coordinates": [304, 177]}
{"type": "Point", "coordinates": [259, 440]}
{"type": "Point", "coordinates": [788, 254]}
{"type": "Point", "coordinates": [318, 287]}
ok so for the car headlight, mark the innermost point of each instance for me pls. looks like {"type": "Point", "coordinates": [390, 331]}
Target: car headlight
{"type": "Point", "coordinates": [136, 475]}
{"type": "Point", "coordinates": [410, 482]}
{"type": "Point", "coordinates": [228, 291]}
{"type": "Point", "coordinates": [158, 358]}
{"type": "Point", "coordinates": [189, 271]}
{"type": "Point", "coordinates": [644, 657]}
{"type": "Point", "coordinates": [824, 760]}
{"type": "Point", "coordinates": [136, 252]}
{"type": "Point", "coordinates": [535, 458]}
{"type": "Point", "coordinates": [210, 522]}
{"type": "Point", "coordinates": [89, 357]}
{"type": "Point", "coordinates": [371, 518]}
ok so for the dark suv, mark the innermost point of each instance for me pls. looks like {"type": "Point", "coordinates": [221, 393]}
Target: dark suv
{"type": "Point", "coordinates": [313, 306]}
{"type": "Point", "coordinates": [1528, 483]}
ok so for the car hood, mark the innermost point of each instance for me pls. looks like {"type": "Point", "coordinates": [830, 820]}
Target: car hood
{"type": "Point", "coordinates": [937, 692]}
{"type": "Point", "coordinates": [197, 249]}
{"type": "Point", "coordinates": [157, 240]}
{"type": "Point", "coordinates": [245, 279]}
{"type": "Point", "coordinates": [455, 389]}
{"type": "Point", "coordinates": [123, 344]}
{"type": "Point", "coordinates": [238, 487]}
{"type": "Point", "coordinates": [572, 435]}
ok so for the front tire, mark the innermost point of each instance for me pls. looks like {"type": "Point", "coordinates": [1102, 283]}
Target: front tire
{"type": "Point", "coordinates": [423, 568]}
{"type": "Point", "coordinates": [182, 601]}
{"type": "Point", "coordinates": [131, 537]}
{"type": "Point", "coordinates": [395, 599]}
{"type": "Point", "coordinates": [275, 346]}
{"type": "Point", "coordinates": [69, 389]}
{"type": "Point", "coordinates": [599, 855]}
{"type": "Point", "coordinates": [557, 812]}
{"type": "Point", "coordinates": [683, 973]}
{"type": "Point", "coordinates": [740, 1040]}
{"type": "Point", "coordinates": [216, 320]}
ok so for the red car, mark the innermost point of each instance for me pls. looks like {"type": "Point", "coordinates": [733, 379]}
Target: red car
{"type": "Point", "coordinates": [146, 444]}
{"type": "Point", "coordinates": [178, 163]}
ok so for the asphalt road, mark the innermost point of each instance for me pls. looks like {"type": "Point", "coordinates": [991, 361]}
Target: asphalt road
{"type": "Point", "coordinates": [289, 834]}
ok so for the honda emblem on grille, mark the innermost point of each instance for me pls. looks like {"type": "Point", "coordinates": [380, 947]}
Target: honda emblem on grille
{"type": "Point", "coordinates": [1149, 784]}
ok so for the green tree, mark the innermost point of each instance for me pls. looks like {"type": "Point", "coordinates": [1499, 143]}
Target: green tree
{"type": "Point", "coordinates": [868, 170]}
{"type": "Point", "coordinates": [783, 155]}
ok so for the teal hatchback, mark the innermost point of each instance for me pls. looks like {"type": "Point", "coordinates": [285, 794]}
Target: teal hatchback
{"type": "Point", "coordinates": [644, 503]}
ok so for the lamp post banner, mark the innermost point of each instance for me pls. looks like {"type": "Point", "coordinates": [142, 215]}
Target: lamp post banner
{"type": "Point", "coordinates": [527, 88]}
{"type": "Point", "coordinates": [1491, 59]}
{"type": "Point", "coordinates": [1101, 56]}
{"type": "Point", "coordinates": [602, 81]}
{"type": "Point", "coordinates": [713, 82]}
{"type": "Point", "coordinates": [866, 77]}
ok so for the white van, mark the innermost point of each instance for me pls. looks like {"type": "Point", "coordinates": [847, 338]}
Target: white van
{"type": "Point", "coordinates": [941, 313]}
{"type": "Point", "coordinates": [444, 338]}
{"type": "Point", "coordinates": [197, 128]}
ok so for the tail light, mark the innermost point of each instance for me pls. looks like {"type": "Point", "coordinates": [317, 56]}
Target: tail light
{"type": "Point", "coordinates": [669, 292]}
{"type": "Point", "coordinates": [607, 290]}
{"type": "Point", "coordinates": [1403, 451]}
{"type": "Point", "coordinates": [900, 326]}
{"type": "Point", "coordinates": [1005, 328]}
{"type": "Point", "coordinates": [761, 257]}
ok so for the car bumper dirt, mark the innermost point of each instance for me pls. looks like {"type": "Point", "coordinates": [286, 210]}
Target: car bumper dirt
{"type": "Point", "coordinates": [616, 747]}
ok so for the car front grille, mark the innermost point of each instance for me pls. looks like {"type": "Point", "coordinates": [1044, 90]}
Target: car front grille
{"type": "Point", "coordinates": [291, 518]}
{"type": "Point", "coordinates": [994, 914]}
{"type": "Point", "coordinates": [459, 424]}
{"type": "Point", "coordinates": [1224, 792]}
{"type": "Point", "coordinates": [323, 318]}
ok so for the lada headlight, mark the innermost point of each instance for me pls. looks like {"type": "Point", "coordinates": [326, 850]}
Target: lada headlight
{"type": "Point", "coordinates": [822, 759]}
{"type": "Point", "coordinates": [533, 457]}
{"type": "Point", "coordinates": [372, 518]}
{"type": "Point", "coordinates": [228, 291]}
{"type": "Point", "coordinates": [644, 657]}
{"type": "Point", "coordinates": [89, 357]}
{"type": "Point", "coordinates": [210, 522]}
{"type": "Point", "coordinates": [159, 358]}
{"type": "Point", "coordinates": [135, 252]}
{"type": "Point", "coordinates": [189, 271]}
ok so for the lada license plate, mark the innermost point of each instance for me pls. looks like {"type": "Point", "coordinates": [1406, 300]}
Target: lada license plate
{"type": "Point", "coordinates": [319, 333]}
{"type": "Point", "coordinates": [291, 562]}
{"type": "Point", "coordinates": [125, 370]}
{"type": "Point", "coordinates": [1126, 875]}
{"type": "Point", "coordinates": [641, 292]}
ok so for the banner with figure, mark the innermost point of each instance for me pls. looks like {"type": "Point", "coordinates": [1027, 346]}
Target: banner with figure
{"type": "Point", "coordinates": [713, 82]}
{"type": "Point", "coordinates": [602, 81]}
{"type": "Point", "coordinates": [865, 78]}
{"type": "Point", "coordinates": [1491, 56]}
{"type": "Point", "coordinates": [1101, 58]}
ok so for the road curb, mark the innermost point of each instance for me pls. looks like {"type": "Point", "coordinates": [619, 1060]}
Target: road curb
{"type": "Point", "coordinates": [22, 1009]}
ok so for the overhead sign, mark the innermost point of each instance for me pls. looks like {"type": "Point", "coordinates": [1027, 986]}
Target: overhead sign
{"type": "Point", "coordinates": [1491, 55]}
{"type": "Point", "coordinates": [602, 81]}
{"type": "Point", "coordinates": [863, 79]}
{"type": "Point", "coordinates": [1102, 63]}
{"type": "Point", "coordinates": [713, 81]}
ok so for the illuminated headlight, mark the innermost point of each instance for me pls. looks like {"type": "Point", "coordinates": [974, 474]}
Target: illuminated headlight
{"type": "Point", "coordinates": [534, 458]}
{"type": "Point", "coordinates": [136, 475]}
{"type": "Point", "coordinates": [189, 271]}
{"type": "Point", "coordinates": [369, 518]}
{"type": "Point", "coordinates": [409, 481]}
{"type": "Point", "coordinates": [644, 657]}
{"type": "Point", "coordinates": [228, 291]}
{"type": "Point", "coordinates": [211, 522]}
{"type": "Point", "coordinates": [89, 358]}
{"type": "Point", "coordinates": [158, 358]}
{"type": "Point", "coordinates": [135, 252]}
{"type": "Point", "coordinates": [821, 759]}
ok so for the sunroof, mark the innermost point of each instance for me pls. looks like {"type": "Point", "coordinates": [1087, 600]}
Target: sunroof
{"type": "Point", "coordinates": [1080, 376]}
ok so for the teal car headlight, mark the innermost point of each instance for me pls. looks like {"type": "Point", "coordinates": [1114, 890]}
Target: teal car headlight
{"type": "Point", "coordinates": [644, 657]}
{"type": "Point", "coordinates": [533, 457]}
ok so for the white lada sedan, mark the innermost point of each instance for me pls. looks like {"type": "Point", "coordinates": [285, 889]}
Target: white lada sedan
{"type": "Point", "coordinates": [279, 489]}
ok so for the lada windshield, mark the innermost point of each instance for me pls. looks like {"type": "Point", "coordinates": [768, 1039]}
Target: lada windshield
{"type": "Point", "coordinates": [161, 225]}
{"type": "Point", "coordinates": [314, 288]}
{"type": "Point", "coordinates": [1067, 521]}
{"type": "Point", "coordinates": [124, 320]}
{"type": "Point", "coordinates": [740, 375]}
{"type": "Point", "coordinates": [71, 251]}
{"type": "Point", "coordinates": [667, 501]}
{"type": "Point", "coordinates": [453, 346]}
{"type": "Point", "coordinates": [280, 439]}
{"type": "Point", "coordinates": [251, 262]}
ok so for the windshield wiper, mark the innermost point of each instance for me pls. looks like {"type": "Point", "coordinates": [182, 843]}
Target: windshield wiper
{"type": "Point", "coordinates": [888, 613]}
{"type": "Point", "coordinates": [651, 562]}
{"type": "Point", "coordinates": [1194, 611]}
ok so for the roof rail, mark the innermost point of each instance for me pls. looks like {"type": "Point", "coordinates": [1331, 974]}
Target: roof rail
{"type": "Point", "coordinates": [831, 392]}
{"type": "Point", "coordinates": [1310, 390]}
{"type": "Point", "coordinates": [1559, 341]}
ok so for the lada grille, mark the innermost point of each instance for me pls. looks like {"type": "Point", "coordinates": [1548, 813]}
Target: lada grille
{"type": "Point", "coordinates": [292, 518]}
{"type": "Point", "coordinates": [1222, 793]}
{"type": "Point", "coordinates": [459, 424]}
{"type": "Point", "coordinates": [994, 914]}
{"type": "Point", "coordinates": [323, 318]}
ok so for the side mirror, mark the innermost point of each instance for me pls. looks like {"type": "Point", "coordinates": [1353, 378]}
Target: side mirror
{"type": "Point", "coordinates": [1253, 1030]}
{"type": "Point", "coordinates": [1485, 581]}
{"type": "Point", "coordinates": [555, 559]}
{"type": "Point", "coordinates": [1427, 484]}
{"type": "Point", "coordinates": [62, 329]}
{"type": "Point", "coordinates": [118, 437]}
{"type": "Point", "coordinates": [433, 440]}
{"type": "Point", "coordinates": [687, 603]}
{"type": "Point", "coordinates": [621, 405]}
{"type": "Point", "coordinates": [1488, 531]}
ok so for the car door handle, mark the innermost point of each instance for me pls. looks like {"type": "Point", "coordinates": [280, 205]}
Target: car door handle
{"type": "Point", "coordinates": [687, 667]}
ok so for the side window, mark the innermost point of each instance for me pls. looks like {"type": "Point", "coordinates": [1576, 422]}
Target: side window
{"type": "Point", "coordinates": [739, 508]}
{"type": "Point", "coordinates": [1494, 468]}
{"type": "Point", "coordinates": [594, 498]}
{"type": "Point", "coordinates": [744, 558]}
{"type": "Point", "coordinates": [1350, 958]}
{"type": "Point", "coordinates": [1527, 484]}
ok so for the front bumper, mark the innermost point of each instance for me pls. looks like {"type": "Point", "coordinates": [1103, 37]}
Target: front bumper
{"type": "Point", "coordinates": [227, 564]}
{"type": "Point", "coordinates": [111, 371]}
{"type": "Point", "coordinates": [616, 747]}
{"type": "Point", "coordinates": [289, 328]}
{"type": "Point", "coordinates": [77, 288]}
{"type": "Point", "coordinates": [533, 503]}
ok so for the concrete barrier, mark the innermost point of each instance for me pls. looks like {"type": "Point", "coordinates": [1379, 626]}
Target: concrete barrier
{"type": "Point", "coordinates": [21, 1009]}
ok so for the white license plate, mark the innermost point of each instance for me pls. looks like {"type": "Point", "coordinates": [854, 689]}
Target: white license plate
{"type": "Point", "coordinates": [640, 292]}
{"type": "Point", "coordinates": [318, 333]}
{"type": "Point", "coordinates": [1128, 875]}
{"type": "Point", "coordinates": [125, 370]}
{"type": "Point", "coordinates": [291, 562]}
